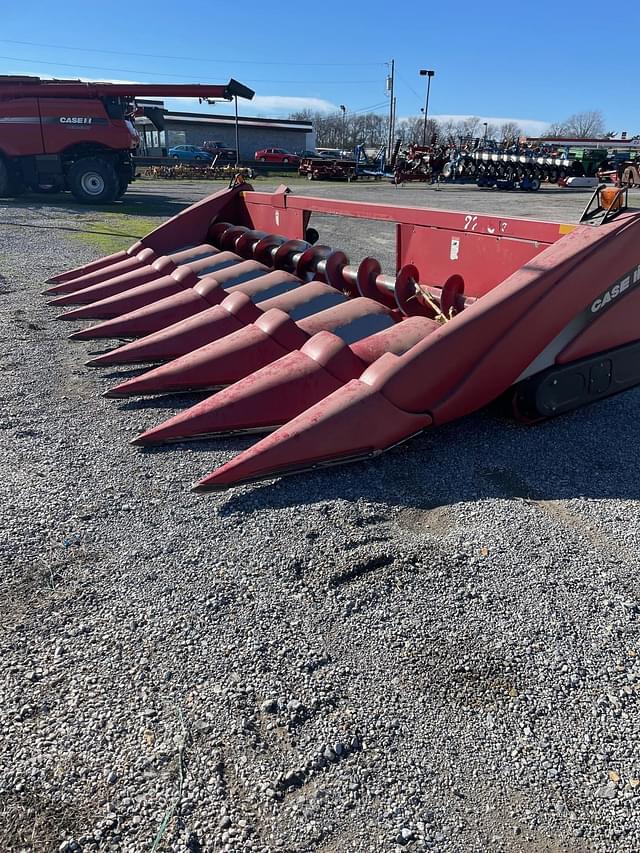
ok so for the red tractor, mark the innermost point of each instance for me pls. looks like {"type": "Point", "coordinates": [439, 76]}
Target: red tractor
{"type": "Point", "coordinates": [78, 136]}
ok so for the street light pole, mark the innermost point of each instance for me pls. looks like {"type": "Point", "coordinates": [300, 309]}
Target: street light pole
{"type": "Point", "coordinates": [390, 87]}
{"type": "Point", "coordinates": [237, 133]}
{"type": "Point", "coordinates": [428, 74]}
{"type": "Point", "coordinates": [344, 124]}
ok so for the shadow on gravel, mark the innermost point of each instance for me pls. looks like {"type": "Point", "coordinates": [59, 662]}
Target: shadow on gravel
{"type": "Point", "coordinates": [165, 401]}
{"type": "Point", "coordinates": [203, 447]}
{"type": "Point", "coordinates": [142, 201]}
{"type": "Point", "coordinates": [41, 227]}
{"type": "Point", "coordinates": [122, 374]}
{"type": "Point", "coordinates": [101, 350]}
{"type": "Point", "coordinates": [585, 454]}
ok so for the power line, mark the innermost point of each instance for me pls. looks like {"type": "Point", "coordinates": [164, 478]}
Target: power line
{"type": "Point", "coordinates": [233, 60]}
{"type": "Point", "coordinates": [92, 67]}
{"type": "Point", "coordinates": [410, 87]}
{"type": "Point", "coordinates": [185, 76]}
{"type": "Point", "coordinates": [369, 109]}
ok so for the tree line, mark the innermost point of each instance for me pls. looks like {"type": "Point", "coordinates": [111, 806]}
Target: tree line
{"type": "Point", "coordinates": [338, 130]}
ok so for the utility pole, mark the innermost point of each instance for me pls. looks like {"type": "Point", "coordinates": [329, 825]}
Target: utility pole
{"type": "Point", "coordinates": [393, 123]}
{"type": "Point", "coordinates": [390, 85]}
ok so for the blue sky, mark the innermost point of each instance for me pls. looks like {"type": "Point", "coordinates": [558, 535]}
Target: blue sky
{"type": "Point", "coordinates": [523, 61]}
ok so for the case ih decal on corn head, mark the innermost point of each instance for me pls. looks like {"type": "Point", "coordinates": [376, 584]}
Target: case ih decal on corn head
{"type": "Point", "coordinates": [338, 361]}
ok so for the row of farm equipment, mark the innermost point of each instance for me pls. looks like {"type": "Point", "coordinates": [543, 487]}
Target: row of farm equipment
{"type": "Point", "coordinates": [197, 171]}
{"type": "Point", "coordinates": [429, 164]}
{"type": "Point", "coordinates": [339, 362]}
{"type": "Point", "coordinates": [486, 164]}
{"type": "Point", "coordinates": [443, 163]}
{"type": "Point", "coordinates": [77, 136]}
{"type": "Point", "coordinates": [485, 167]}
{"type": "Point", "coordinates": [491, 167]}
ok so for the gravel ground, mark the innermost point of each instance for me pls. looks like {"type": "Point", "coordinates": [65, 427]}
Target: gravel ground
{"type": "Point", "coordinates": [437, 650]}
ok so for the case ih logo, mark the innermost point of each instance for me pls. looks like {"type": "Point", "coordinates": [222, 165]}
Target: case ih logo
{"type": "Point", "coordinates": [630, 280]}
{"type": "Point", "coordinates": [75, 120]}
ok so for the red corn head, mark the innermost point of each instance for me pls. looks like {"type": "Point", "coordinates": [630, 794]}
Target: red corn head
{"type": "Point", "coordinates": [208, 265]}
{"type": "Point", "coordinates": [186, 304]}
{"type": "Point", "coordinates": [282, 390]}
{"type": "Point", "coordinates": [541, 313]}
{"type": "Point", "coordinates": [204, 327]}
{"type": "Point", "coordinates": [270, 337]}
{"type": "Point", "coordinates": [145, 294]}
{"type": "Point", "coordinates": [131, 270]}
{"type": "Point", "coordinates": [352, 423]}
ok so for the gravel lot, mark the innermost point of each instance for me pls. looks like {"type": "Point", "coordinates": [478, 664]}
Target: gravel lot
{"type": "Point", "coordinates": [437, 650]}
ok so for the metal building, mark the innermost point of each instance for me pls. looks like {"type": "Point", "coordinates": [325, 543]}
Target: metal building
{"type": "Point", "coordinates": [196, 128]}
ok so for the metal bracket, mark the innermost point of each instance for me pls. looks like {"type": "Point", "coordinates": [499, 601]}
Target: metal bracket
{"type": "Point", "coordinates": [602, 213]}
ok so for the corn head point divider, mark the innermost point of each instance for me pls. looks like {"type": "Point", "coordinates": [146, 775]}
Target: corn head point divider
{"type": "Point", "coordinates": [338, 361]}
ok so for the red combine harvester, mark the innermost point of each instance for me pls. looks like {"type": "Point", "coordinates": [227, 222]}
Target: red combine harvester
{"type": "Point", "coordinates": [340, 362]}
{"type": "Point", "coordinates": [69, 135]}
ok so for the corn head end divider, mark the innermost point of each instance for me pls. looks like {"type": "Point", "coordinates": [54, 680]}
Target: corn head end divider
{"type": "Point", "coordinates": [337, 361]}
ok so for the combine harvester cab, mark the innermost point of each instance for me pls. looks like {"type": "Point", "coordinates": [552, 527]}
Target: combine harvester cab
{"type": "Point", "coordinates": [340, 362]}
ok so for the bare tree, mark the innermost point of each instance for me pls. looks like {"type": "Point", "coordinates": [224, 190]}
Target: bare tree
{"type": "Point", "coordinates": [470, 126]}
{"type": "Point", "coordinates": [586, 125]}
{"type": "Point", "coordinates": [412, 131]}
{"type": "Point", "coordinates": [448, 131]}
{"type": "Point", "coordinates": [556, 128]}
{"type": "Point", "coordinates": [510, 132]}
{"type": "Point", "coordinates": [333, 130]}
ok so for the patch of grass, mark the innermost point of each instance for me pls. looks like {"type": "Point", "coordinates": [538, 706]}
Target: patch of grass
{"type": "Point", "coordinates": [115, 231]}
{"type": "Point", "coordinates": [44, 578]}
{"type": "Point", "coordinates": [32, 822]}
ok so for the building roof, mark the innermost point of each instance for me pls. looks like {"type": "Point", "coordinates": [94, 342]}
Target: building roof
{"type": "Point", "coordinates": [172, 117]}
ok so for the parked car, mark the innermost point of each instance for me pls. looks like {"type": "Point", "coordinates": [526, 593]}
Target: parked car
{"type": "Point", "coordinates": [189, 152]}
{"type": "Point", "coordinates": [336, 154]}
{"type": "Point", "coordinates": [307, 154]}
{"type": "Point", "coordinates": [218, 149]}
{"type": "Point", "coordinates": [276, 155]}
